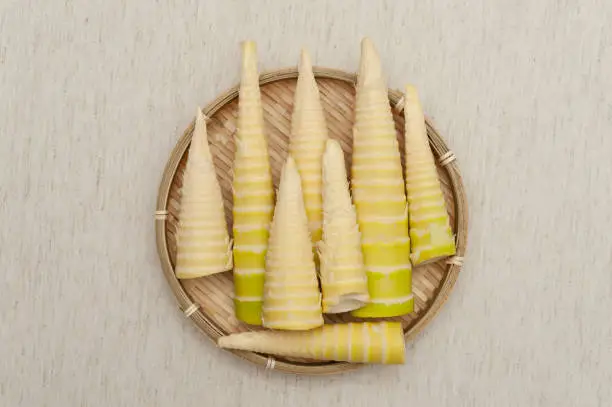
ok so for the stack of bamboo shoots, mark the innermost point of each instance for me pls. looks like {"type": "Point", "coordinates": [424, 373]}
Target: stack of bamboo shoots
{"type": "Point", "coordinates": [316, 248]}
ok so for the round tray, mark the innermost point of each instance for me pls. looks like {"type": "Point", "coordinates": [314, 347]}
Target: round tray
{"type": "Point", "coordinates": [208, 300]}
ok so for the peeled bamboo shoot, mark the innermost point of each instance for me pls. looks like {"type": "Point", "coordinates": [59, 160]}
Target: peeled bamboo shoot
{"type": "Point", "coordinates": [308, 136]}
{"type": "Point", "coordinates": [364, 342]}
{"type": "Point", "coordinates": [253, 194]}
{"type": "Point", "coordinates": [203, 243]}
{"type": "Point", "coordinates": [292, 299]}
{"type": "Point", "coordinates": [379, 196]}
{"type": "Point", "coordinates": [343, 280]}
{"type": "Point", "coordinates": [430, 232]}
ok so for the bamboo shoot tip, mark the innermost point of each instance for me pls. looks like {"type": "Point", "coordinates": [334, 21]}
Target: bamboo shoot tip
{"type": "Point", "coordinates": [290, 163]}
{"type": "Point", "coordinates": [249, 45]}
{"type": "Point", "coordinates": [367, 47]}
{"type": "Point", "coordinates": [305, 60]}
{"type": "Point", "coordinates": [332, 148]}
{"type": "Point", "coordinates": [411, 92]}
{"type": "Point", "coordinates": [199, 115]}
{"type": "Point", "coordinates": [366, 41]}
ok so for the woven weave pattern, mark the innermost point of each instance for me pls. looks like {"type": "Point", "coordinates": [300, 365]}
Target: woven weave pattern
{"type": "Point", "coordinates": [431, 282]}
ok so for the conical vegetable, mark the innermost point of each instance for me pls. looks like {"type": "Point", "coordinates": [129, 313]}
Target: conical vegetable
{"type": "Point", "coordinates": [291, 290]}
{"type": "Point", "coordinates": [343, 280]}
{"type": "Point", "coordinates": [364, 342]}
{"type": "Point", "coordinates": [379, 196]}
{"type": "Point", "coordinates": [308, 136]}
{"type": "Point", "coordinates": [253, 194]}
{"type": "Point", "coordinates": [430, 232]}
{"type": "Point", "coordinates": [203, 244]}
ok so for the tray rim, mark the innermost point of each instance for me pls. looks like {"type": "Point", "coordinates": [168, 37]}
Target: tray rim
{"type": "Point", "coordinates": [192, 311]}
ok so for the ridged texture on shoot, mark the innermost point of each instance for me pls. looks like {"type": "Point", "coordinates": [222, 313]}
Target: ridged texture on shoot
{"type": "Point", "coordinates": [364, 342]}
{"type": "Point", "coordinates": [203, 244]}
{"type": "Point", "coordinates": [308, 136]}
{"type": "Point", "coordinates": [343, 280]}
{"type": "Point", "coordinates": [430, 233]}
{"type": "Point", "coordinates": [253, 194]}
{"type": "Point", "coordinates": [292, 300]}
{"type": "Point", "coordinates": [379, 195]}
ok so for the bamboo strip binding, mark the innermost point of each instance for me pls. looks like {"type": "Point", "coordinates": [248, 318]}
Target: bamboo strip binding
{"type": "Point", "coordinates": [205, 301]}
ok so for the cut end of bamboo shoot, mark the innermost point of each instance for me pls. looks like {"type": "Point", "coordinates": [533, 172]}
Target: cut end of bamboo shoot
{"type": "Point", "coordinates": [248, 312]}
{"type": "Point", "coordinates": [346, 303]}
{"type": "Point", "coordinates": [382, 310]}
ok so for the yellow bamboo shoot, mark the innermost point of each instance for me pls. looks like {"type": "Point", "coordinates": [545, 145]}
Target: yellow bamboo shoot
{"type": "Point", "coordinates": [363, 342]}
{"type": "Point", "coordinates": [430, 232]}
{"type": "Point", "coordinates": [343, 280]}
{"type": "Point", "coordinates": [308, 136]}
{"type": "Point", "coordinates": [253, 194]}
{"type": "Point", "coordinates": [292, 299]}
{"type": "Point", "coordinates": [379, 195]}
{"type": "Point", "coordinates": [203, 243]}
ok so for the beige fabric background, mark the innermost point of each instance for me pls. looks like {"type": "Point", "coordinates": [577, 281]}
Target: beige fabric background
{"type": "Point", "coordinates": [94, 94]}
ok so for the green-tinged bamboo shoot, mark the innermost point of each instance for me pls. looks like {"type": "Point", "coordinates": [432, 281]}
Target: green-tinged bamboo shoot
{"type": "Point", "coordinates": [308, 136]}
{"type": "Point", "coordinates": [430, 233]}
{"type": "Point", "coordinates": [343, 281]}
{"type": "Point", "coordinates": [379, 195]}
{"type": "Point", "coordinates": [363, 342]}
{"type": "Point", "coordinates": [203, 243]}
{"type": "Point", "coordinates": [253, 194]}
{"type": "Point", "coordinates": [292, 300]}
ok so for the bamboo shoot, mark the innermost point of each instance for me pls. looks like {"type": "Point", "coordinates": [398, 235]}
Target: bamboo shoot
{"type": "Point", "coordinates": [430, 233]}
{"type": "Point", "coordinates": [364, 342]}
{"type": "Point", "coordinates": [253, 194]}
{"type": "Point", "coordinates": [308, 136]}
{"type": "Point", "coordinates": [343, 280]}
{"type": "Point", "coordinates": [292, 299]}
{"type": "Point", "coordinates": [203, 244]}
{"type": "Point", "coordinates": [379, 196]}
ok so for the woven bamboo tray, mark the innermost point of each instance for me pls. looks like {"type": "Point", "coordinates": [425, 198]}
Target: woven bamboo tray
{"type": "Point", "coordinates": [207, 301]}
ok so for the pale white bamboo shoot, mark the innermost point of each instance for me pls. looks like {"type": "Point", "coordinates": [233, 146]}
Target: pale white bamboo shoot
{"type": "Point", "coordinates": [364, 342]}
{"type": "Point", "coordinates": [343, 279]}
{"type": "Point", "coordinates": [203, 244]}
{"type": "Point", "coordinates": [292, 299]}
{"type": "Point", "coordinates": [308, 136]}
